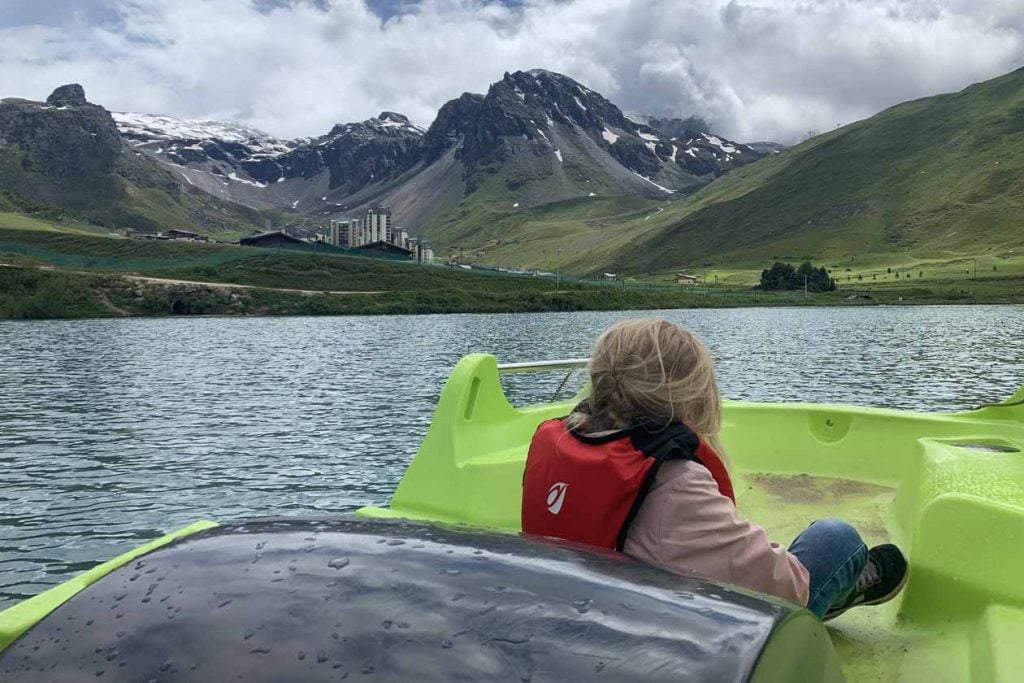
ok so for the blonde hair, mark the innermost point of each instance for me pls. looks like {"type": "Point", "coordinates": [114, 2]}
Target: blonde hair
{"type": "Point", "coordinates": [651, 368]}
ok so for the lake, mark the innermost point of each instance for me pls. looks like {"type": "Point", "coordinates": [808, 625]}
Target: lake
{"type": "Point", "coordinates": [113, 432]}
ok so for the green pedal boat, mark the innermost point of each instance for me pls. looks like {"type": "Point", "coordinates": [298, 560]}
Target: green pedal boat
{"type": "Point", "coordinates": [439, 586]}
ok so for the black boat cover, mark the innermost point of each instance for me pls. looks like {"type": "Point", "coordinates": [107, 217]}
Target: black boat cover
{"type": "Point", "coordinates": [326, 600]}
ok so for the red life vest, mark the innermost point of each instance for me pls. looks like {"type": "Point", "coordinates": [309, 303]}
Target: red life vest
{"type": "Point", "coordinates": [589, 489]}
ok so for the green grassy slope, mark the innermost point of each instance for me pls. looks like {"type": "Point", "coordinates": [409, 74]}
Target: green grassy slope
{"type": "Point", "coordinates": [486, 227]}
{"type": "Point", "coordinates": [135, 194]}
{"type": "Point", "coordinates": [937, 179]}
{"type": "Point", "coordinates": [48, 273]}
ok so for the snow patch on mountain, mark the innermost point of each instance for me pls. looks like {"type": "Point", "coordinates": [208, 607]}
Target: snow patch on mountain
{"type": "Point", "coordinates": [660, 187]}
{"type": "Point", "coordinates": [154, 127]}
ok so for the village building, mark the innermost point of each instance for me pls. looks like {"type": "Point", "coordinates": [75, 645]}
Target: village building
{"type": "Point", "coordinates": [381, 248]}
{"type": "Point", "coordinates": [278, 238]}
{"type": "Point", "coordinates": [175, 234]}
{"type": "Point", "coordinates": [685, 279]}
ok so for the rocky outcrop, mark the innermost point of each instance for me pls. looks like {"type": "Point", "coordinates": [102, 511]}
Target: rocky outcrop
{"type": "Point", "coordinates": [71, 95]}
{"type": "Point", "coordinates": [66, 137]}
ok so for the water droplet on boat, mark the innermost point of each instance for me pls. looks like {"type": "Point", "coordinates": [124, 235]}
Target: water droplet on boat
{"type": "Point", "coordinates": [386, 624]}
{"type": "Point", "coordinates": [321, 656]}
{"type": "Point", "coordinates": [224, 604]}
{"type": "Point", "coordinates": [683, 595]}
{"type": "Point", "coordinates": [446, 643]}
{"type": "Point", "coordinates": [166, 666]}
{"type": "Point", "coordinates": [582, 606]}
{"type": "Point", "coordinates": [367, 669]}
{"type": "Point", "coordinates": [452, 572]}
{"type": "Point", "coordinates": [338, 563]}
{"type": "Point", "coordinates": [261, 545]}
{"type": "Point", "coordinates": [396, 541]}
{"type": "Point", "coordinates": [302, 656]}
{"type": "Point", "coordinates": [599, 667]}
{"type": "Point", "coordinates": [260, 651]}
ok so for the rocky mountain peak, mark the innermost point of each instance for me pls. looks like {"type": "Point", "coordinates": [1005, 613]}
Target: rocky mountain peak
{"type": "Point", "coordinates": [554, 97]}
{"type": "Point", "coordinates": [70, 95]}
{"type": "Point", "coordinates": [388, 123]}
{"type": "Point", "coordinates": [394, 117]}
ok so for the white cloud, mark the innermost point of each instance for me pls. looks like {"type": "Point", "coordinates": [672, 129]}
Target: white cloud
{"type": "Point", "coordinates": [757, 69]}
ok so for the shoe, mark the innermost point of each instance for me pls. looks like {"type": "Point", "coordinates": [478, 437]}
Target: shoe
{"type": "Point", "coordinates": [883, 578]}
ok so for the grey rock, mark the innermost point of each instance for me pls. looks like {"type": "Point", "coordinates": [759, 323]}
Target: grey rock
{"type": "Point", "coordinates": [71, 95]}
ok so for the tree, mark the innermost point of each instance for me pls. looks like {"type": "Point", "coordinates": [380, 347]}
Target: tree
{"type": "Point", "coordinates": [783, 276]}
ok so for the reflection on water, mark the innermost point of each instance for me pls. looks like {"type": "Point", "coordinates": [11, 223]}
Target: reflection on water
{"type": "Point", "coordinates": [114, 431]}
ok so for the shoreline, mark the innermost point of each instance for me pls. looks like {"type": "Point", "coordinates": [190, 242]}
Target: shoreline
{"type": "Point", "coordinates": [46, 293]}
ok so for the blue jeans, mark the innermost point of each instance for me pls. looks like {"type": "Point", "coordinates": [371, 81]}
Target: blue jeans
{"type": "Point", "coordinates": [834, 555]}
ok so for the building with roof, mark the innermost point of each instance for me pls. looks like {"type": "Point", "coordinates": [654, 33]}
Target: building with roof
{"type": "Point", "coordinates": [277, 238]}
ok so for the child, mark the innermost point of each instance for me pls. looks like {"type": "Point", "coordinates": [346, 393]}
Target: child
{"type": "Point", "coordinates": [637, 467]}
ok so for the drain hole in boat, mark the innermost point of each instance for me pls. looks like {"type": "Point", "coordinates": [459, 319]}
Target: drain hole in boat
{"type": "Point", "coordinates": [987, 447]}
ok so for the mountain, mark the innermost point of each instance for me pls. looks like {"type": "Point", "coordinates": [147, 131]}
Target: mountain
{"type": "Point", "coordinates": [936, 178]}
{"type": "Point", "coordinates": [66, 155]}
{"type": "Point", "coordinates": [248, 166]}
{"type": "Point", "coordinates": [534, 138]}
{"type": "Point", "coordinates": [578, 137]}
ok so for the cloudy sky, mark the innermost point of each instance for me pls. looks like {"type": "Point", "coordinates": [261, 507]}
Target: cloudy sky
{"type": "Point", "coordinates": [756, 69]}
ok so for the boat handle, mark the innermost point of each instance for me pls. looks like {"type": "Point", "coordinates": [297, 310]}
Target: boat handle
{"type": "Point", "coordinates": [542, 365]}
{"type": "Point", "coordinates": [570, 364]}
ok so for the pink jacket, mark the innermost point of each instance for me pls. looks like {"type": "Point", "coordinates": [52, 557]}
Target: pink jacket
{"type": "Point", "coordinates": [685, 525]}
